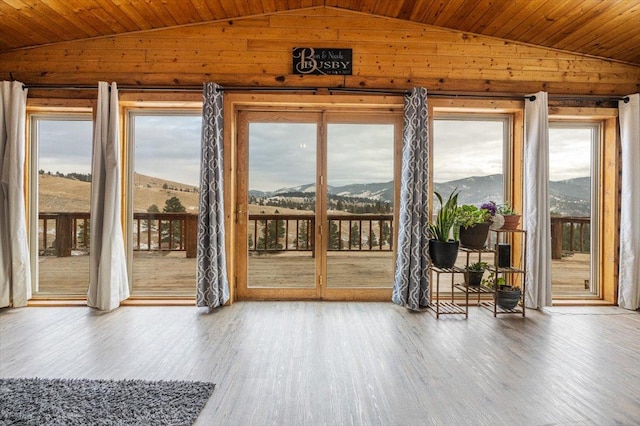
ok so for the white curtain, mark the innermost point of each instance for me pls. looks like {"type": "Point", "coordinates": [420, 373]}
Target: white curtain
{"type": "Point", "coordinates": [537, 218]}
{"type": "Point", "coordinates": [629, 273]}
{"type": "Point", "coordinates": [15, 272]}
{"type": "Point", "coordinates": [411, 281]}
{"type": "Point", "coordinates": [108, 281]}
{"type": "Point", "coordinates": [212, 285]}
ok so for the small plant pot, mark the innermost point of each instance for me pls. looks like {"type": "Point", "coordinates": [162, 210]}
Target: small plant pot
{"type": "Point", "coordinates": [443, 254]}
{"type": "Point", "coordinates": [511, 221]}
{"type": "Point", "coordinates": [473, 278]}
{"type": "Point", "coordinates": [507, 297]}
{"type": "Point", "coordinates": [475, 236]}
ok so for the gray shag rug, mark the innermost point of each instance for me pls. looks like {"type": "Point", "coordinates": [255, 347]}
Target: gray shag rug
{"type": "Point", "coordinates": [101, 402]}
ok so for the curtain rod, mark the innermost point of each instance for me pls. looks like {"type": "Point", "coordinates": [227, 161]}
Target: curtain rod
{"type": "Point", "coordinates": [331, 90]}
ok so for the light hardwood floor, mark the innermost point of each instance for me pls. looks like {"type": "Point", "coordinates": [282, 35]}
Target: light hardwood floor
{"type": "Point", "coordinates": [350, 363]}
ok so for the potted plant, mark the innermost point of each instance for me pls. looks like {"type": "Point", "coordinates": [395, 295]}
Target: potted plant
{"type": "Point", "coordinates": [511, 217]}
{"type": "Point", "coordinates": [474, 273]}
{"type": "Point", "coordinates": [503, 216]}
{"type": "Point", "coordinates": [474, 226]}
{"type": "Point", "coordinates": [443, 244]}
{"type": "Point", "coordinates": [506, 296]}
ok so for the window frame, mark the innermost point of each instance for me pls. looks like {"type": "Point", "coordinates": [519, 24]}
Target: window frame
{"type": "Point", "coordinates": [34, 115]}
{"type": "Point", "coordinates": [129, 111]}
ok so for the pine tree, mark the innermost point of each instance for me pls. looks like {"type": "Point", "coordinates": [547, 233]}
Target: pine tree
{"type": "Point", "coordinates": [172, 205]}
{"type": "Point", "coordinates": [373, 242]}
{"type": "Point", "coordinates": [303, 235]}
{"type": "Point", "coordinates": [355, 235]}
{"type": "Point", "coordinates": [385, 233]}
{"type": "Point", "coordinates": [275, 234]}
{"type": "Point", "coordinates": [334, 236]}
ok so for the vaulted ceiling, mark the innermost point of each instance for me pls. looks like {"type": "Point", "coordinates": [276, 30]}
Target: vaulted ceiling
{"type": "Point", "coordinates": [603, 28]}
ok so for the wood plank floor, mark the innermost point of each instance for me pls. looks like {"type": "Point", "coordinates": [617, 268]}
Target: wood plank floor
{"type": "Point", "coordinates": [337, 363]}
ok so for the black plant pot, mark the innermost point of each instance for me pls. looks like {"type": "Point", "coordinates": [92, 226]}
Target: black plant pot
{"type": "Point", "coordinates": [507, 297]}
{"type": "Point", "coordinates": [443, 254]}
{"type": "Point", "coordinates": [475, 236]}
{"type": "Point", "coordinates": [473, 278]}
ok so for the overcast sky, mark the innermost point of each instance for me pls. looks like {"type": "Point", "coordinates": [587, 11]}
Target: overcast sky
{"type": "Point", "coordinates": [284, 154]}
{"type": "Point", "coordinates": [64, 146]}
{"type": "Point", "coordinates": [168, 147]}
{"type": "Point", "coordinates": [569, 153]}
{"type": "Point", "coordinates": [466, 148]}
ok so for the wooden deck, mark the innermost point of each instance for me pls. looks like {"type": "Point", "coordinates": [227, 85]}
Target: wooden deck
{"type": "Point", "coordinates": [172, 274]}
{"type": "Point", "coordinates": [344, 269]}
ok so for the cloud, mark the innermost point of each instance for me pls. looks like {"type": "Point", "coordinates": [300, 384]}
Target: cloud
{"type": "Point", "coordinates": [284, 154]}
{"type": "Point", "coordinates": [168, 147]}
{"type": "Point", "coordinates": [569, 152]}
{"type": "Point", "coordinates": [464, 148]}
{"type": "Point", "coordinates": [65, 145]}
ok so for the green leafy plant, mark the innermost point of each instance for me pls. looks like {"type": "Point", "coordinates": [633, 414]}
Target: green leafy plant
{"type": "Point", "coordinates": [492, 281]}
{"type": "Point", "coordinates": [477, 267]}
{"type": "Point", "coordinates": [469, 215]}
{"type": "Point", "coordinates": [446, 218]}
{"type": "Point", "coordinates": [506, 209]}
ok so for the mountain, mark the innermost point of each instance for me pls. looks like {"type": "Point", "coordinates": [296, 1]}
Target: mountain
{"type": "Point", "coordinates": [473, 190]}
{"type": "Point", "coordinates": [567, 197]}
{"type": "Point", "coordinates": [370, 191]}
{"type": "Point", "coordinates": [571, 197]}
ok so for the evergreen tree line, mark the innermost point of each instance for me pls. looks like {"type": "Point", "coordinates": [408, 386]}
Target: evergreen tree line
{"type": "Point", "coordinates": [175, 188]}
{"type": "Point", "coordinates": [271, 236]}
{"type": "Point", "coordinates": [306, 201]}
{"type": "Point", "coordinates": [566, 238]}
{"type": "Point", "coordinates": [84, 177]}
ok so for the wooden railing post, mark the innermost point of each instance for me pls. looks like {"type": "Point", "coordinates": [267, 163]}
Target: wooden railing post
{"type": "Point", "coordinates": [556, 237]}
{"type": "Point", "coordinates": [191, 235]}
{"type": "Point", "coordinates": [64, 235]}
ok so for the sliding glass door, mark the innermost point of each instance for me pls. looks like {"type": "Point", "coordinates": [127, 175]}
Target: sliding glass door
{"type": "Point", "coordinates": [360, 205]}
{"type": "Point", "coordinates": [316, 195]}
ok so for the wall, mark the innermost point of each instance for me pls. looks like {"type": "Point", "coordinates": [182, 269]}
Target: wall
{"type": "Point", "coordinates": [388, 53]}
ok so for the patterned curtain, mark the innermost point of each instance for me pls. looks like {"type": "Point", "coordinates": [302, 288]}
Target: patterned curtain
{"type": "Point", "coordinates": [212, 288]}
{"type": "Point", "coordinates": [15, 274]}
{"type": "Point", "coordinates": [108, 278]}
{"type": "Point", "coordinates": [411, 283]}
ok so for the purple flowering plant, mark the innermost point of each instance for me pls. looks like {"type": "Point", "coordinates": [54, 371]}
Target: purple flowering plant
{"type": "Point", "coordinates": [491, 207]}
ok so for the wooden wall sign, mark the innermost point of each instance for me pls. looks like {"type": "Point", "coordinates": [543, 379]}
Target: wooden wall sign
{"type": "Point", "coordinates": [316, 61]}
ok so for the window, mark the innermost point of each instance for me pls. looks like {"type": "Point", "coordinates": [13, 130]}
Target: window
{"type": "Point", "coordinates": [163, 186]}
{"type": "Point", "coordinates": [574, 200]}
{"type": "Point", "coordinates": [61, 147]}
{"type": "Point", "coordinates": [470, 154]}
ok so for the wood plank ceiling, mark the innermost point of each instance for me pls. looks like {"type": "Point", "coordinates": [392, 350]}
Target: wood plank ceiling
{"type": "Point", "coordinates": [603, 28]}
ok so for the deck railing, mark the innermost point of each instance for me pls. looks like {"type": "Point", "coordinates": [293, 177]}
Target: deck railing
{"type": "Point", "coordinates": [62, 233]}
{"type": "Point", "coordinates": [344, 232]}
{"type": "Point", "coordinates": [570, 234]}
